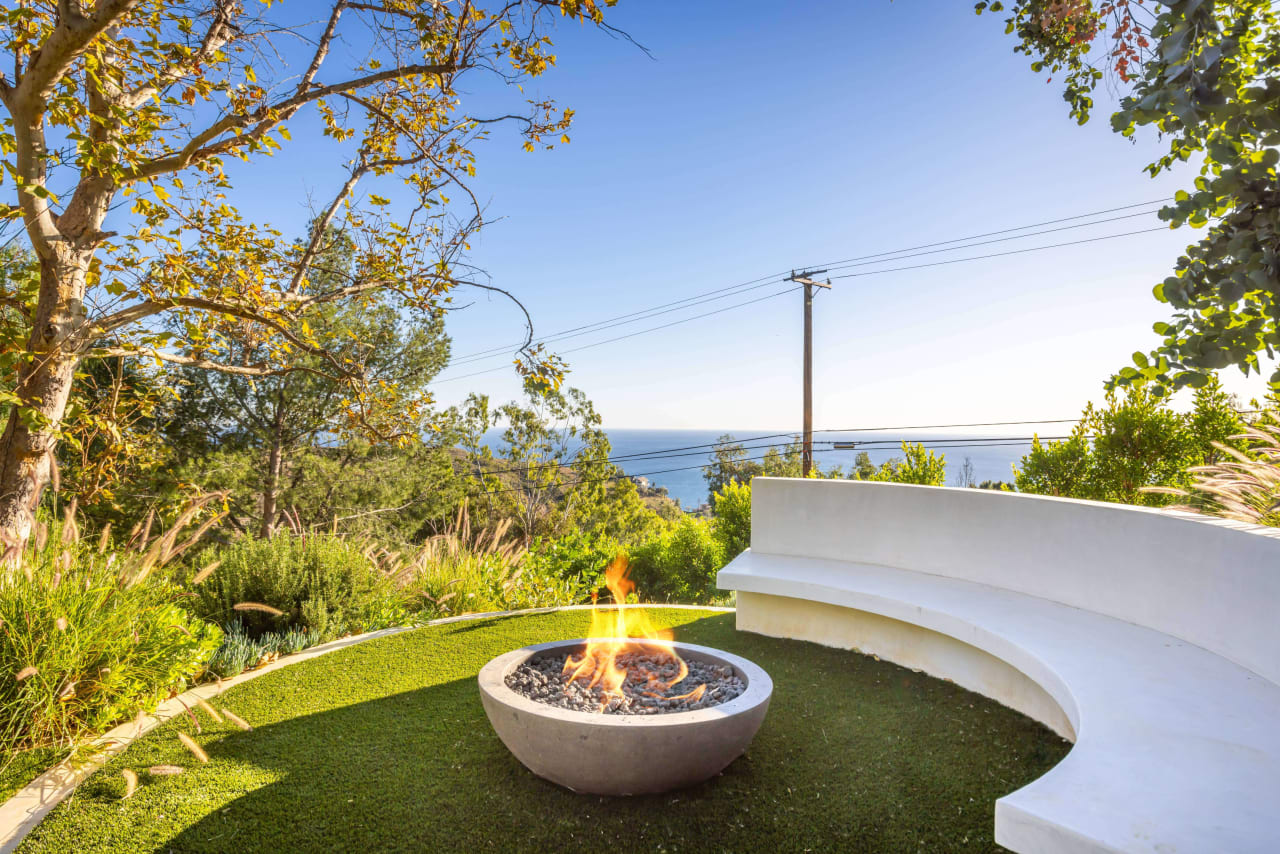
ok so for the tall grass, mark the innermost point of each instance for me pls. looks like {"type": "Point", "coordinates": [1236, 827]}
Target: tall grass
{"type": "Point", "coordinates": [1245, 486]}
{"type": "Point", "coordinates": [467, 570]}
{"type": "Point", "coordinates": [90, 633]}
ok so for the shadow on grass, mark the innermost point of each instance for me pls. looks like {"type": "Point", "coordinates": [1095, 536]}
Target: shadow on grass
{"type": "Point", "coordinates": [855, 755]}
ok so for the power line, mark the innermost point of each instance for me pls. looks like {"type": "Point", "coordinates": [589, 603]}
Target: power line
{"type": "Point", "coordinates": [845, 276]}
{"type": "Point", "coordinates": [993, 233]}
{"type": "Point", "coordinates": [746, 443]}
{"type": "Point", "coordinates": [633, 334]}
{"type": "Point", "coordinates": [947, 426]}
{"type": "Point", "coordinates": [765, 281]}
{"type": "Point", "coordinates": [845, 266]}
{"type": "Point", "coordinates": [603, 325]}
{"type": "Point", "coordinates": [867, 445]}
{"type": "Point", "coordinates": [585, 481]}
{"type": "Point", "coordinates": [734, 290]}
{"type": "Point", "coordinates": [1002, 254]}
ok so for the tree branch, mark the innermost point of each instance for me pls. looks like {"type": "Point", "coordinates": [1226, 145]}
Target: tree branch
{"type": "Point", "coordinates": [207, 144]}
{"type": "Point", "coordinates": [258, 370]}
{"type": "Point", "coordinates": [219, 33]}
{"type": "Point", "coordinates": [106, 325]}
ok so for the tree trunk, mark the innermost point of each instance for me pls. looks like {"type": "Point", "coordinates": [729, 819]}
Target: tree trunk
{"type": "Point", "coordinates": [43, 384]}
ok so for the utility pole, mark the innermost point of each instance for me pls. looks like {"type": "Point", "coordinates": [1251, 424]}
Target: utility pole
{"type": "Point", "coordinates": [806, 278]}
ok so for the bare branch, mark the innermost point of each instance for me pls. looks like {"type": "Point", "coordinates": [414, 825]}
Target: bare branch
{"type": "Point", "coordinates": [528, 321]}
{"type": "Point", "coordinates": [150, 308]}
{"type": "Point", "coordinates": [322, 49]}
{"type": "Point", "coordinates": [321, 225]}
{"type": "Point", "coordinates": [426, 152]}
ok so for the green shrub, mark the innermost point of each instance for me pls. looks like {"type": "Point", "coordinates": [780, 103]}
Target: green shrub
{"type": "Point", "coordinates": [296, 640]}
{"type": "Point", "coordinates": [577, 557]}
{"type": "Point", "coordinates": [680, 565]}
{"type": "Point", "coordinates": [88, 638]}
{"type": "Point", "coordinates": [452, 575]}
{"type": "Point", "coordinates": [239, 651]}
{"type": "Point", "coordinates": [317, 582]}
{"type": "Point", "coordinates": [732, 505]}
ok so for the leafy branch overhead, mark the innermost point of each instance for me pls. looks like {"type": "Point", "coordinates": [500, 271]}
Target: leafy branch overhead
{"type": "Point", "coordinates": [132, 122]}
{"type": "Point", "coordinates": [1202, 74]}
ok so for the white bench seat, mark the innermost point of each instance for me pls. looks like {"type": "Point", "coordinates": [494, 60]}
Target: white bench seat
{"type": "Point", "coordinates": [1177, 747]}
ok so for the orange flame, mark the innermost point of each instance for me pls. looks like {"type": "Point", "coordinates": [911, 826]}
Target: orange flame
{"type": "Point", "coordinates": [617, 631]}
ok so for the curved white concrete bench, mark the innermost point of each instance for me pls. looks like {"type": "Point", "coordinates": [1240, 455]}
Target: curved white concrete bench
{"type": "Point", "coordinates": [1150, 639]}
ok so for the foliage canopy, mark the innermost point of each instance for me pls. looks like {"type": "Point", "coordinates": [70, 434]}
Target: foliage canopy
{"type": "Point", "coordinates": [1202, 74]}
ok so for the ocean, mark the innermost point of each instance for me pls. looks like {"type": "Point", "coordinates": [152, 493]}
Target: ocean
{"type": "Point", "coordinates": [674, 458]}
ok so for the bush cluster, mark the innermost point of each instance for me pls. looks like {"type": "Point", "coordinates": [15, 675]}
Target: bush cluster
{"type": "Point", "coordinates": [319, 583]}
{"type": "Point", "coordinates": [86, 641]}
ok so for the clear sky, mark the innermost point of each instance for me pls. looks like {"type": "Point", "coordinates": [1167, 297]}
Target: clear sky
{"type": "Point", "coordinates": [766, 136]}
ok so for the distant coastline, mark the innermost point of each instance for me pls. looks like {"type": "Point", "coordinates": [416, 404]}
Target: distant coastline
{"type": "Point", "coordinates": [673, 459]}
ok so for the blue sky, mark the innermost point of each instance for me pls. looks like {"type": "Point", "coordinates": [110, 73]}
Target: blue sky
{"type": "Point", "coordinates": [766, 136]}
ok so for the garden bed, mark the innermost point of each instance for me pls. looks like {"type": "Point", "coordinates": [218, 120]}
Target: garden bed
{"type": "Point", "coordinates": [384, 746]}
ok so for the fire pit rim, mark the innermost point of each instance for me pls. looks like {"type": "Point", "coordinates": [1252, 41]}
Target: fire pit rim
{"type": "Point", "coordinates": [493, 680]}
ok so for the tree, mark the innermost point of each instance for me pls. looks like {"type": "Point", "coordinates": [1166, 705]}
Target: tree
{"type": "Point", "coordinates": [731, 461]}
{"type": "Point", "coordinates": [143, 102]}
{"type": "Point", "coordinates": [965, 476]}
{"type": "Point", "coordinates": [553, 469]}
{"type": "Point", "coordinates": [918, 465]}
{"type": "Point", "coordinates": [1118, 450]}
{"type": "Point", "coordinates": [1203, 75]}
{"type": "Point", "coordinates": [276, 418]}
{"type": "Point", "coordinates": [112, 444]}
{"type": "Point", "coordinates": [732, 505]}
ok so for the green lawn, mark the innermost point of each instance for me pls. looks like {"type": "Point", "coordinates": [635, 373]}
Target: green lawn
{"type": "Point", "coordinates": [384, 747]}
{"type": "Point", "coordinates": [19, 769]}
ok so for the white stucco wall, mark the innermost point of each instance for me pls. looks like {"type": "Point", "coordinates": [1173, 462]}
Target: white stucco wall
{"type": "Point", "coordinates": [1213, 585]}
{"type": "Point", "coordinates": [902, 643]}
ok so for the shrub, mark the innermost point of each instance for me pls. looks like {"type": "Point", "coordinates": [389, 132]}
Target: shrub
{"type": "Point", "coordinates": [680, 565]}
{"type": "Point", "coordinates": [460, 572]}
{"type": "Point", "coordinates": [237, 653]}
{"type": "Point", "coordinates": [576, 557]}
{"type": "Point", "coordinates": [732, 505]}
{"type": "Point", "coordinates": [90, 636]}
{"type": "Point", "coordinates": [316, 582]}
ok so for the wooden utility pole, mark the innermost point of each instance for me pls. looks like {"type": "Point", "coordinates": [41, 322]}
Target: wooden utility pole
{"type": "Point", "coordinates": [806, 279]}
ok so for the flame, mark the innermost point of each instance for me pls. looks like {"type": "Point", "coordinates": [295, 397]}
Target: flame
{"type": "Point", "coordinates": [617, 631]}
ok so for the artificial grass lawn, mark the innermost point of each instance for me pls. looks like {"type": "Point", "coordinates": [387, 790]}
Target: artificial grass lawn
{"type": "Point", "coordinates": [384, 747]}
{"type": "Point", "coordinates": [20, 768]}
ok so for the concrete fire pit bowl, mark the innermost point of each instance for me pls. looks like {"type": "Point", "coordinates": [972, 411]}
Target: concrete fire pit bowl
{"type": "Point", "coordinates": [611, 754]}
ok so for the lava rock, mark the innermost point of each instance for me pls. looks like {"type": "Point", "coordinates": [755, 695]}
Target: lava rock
{"type": "Point", "coordinates": [648, 688]}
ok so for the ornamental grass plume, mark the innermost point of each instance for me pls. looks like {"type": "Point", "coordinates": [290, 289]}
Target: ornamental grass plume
{"type": "Point", "coordinates": [130, 783]}
{"type": "Point", "coordinates": [236, 719]}
{"type": "Point", "coordinates": [164, 770]}
{"type": "Point", "coordinates": [209, 710]}
{"type": "Point", "coordinates": [1245, 485]}
{"type": "Point", "coordinates": [196, 750]}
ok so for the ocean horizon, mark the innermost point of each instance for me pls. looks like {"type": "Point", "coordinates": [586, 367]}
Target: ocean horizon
{"type": "Point", "coordinates": [673, 458]}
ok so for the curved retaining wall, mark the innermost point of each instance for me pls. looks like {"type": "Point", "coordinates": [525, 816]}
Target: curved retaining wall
{"type": "Point", "coordinates": [1212, 584]}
